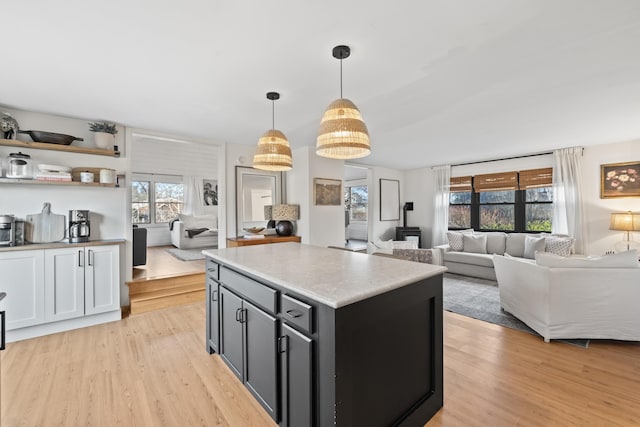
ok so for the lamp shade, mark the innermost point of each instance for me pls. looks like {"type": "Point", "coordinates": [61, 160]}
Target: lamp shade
{"type": "Point", "coordinates": [625, 221]}
{"type": "Point", "coordinates": [285, 212]}
{"type": "Point", "coordinates": [273, 152]}
{"type": "Point", "coordinates": [343, 133]}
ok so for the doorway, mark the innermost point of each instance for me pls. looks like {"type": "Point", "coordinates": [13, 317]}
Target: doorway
{"type": "Point", "coordinates": [356, 207]}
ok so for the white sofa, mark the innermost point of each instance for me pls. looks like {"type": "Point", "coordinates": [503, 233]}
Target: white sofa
{"type": "Point", "coordinates": [573, 297]}
{"type": "Point", "coordinates": [476, 258]}
{"type": "Point", "coordinates": [206, 239]}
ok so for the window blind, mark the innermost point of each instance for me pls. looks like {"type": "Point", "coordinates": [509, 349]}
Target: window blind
{"type": "Point", "coordinates": [536, 178]}
{"type": "Point", "coordinates": [460, 184]}
{"type": "Point", "coordinates": [496, 182]}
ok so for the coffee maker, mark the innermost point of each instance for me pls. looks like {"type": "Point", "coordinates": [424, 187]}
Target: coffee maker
{"type": "Point", "coordinates": [79, 226]}
{"type": "Point", "coordinates": [7, 230]}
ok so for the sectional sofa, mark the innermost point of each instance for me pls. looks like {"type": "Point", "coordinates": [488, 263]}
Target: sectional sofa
{"type": "Point", "coordinates": [470, 253]}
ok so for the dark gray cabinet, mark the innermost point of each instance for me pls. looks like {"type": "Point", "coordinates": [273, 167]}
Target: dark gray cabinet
{"type": "Point", "coordinates": [309, 364]}
{"type": "Point", "coordinates": [248, 346]}
{"type": "Point", "coordinates": [213, 314]}
{"type": "Point", "coordinates": [296, 380]}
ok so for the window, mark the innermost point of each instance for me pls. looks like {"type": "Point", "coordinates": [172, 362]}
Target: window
{"type": "Point", "coordinates": [356, 202]}
{"type": "Point", "coordinates": [140, 202]}
{"type": "Point", "coordinates": [509, 201]}
{"type": "Point", "coordinates": [156, 199]}
{"type": "Point", "coordinates": [460, 202]}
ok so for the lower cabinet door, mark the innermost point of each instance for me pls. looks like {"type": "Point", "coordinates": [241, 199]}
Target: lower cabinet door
{"type": "Point", "coordinates": [64, 283]}
{"type": "Point", "coordinates": [261, 357]}
{"type": "Point", "coordinates": [297, 378]}
{"type": "Point", "coordinates": [231, 331]}
{"type": "Point", "coordinates": [101, 279]}
{"type": "Point", "coordinates": [213, 316]}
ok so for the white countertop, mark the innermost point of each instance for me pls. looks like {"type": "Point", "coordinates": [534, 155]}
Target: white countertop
{"type": "Point", "coordinates": [330, 276]}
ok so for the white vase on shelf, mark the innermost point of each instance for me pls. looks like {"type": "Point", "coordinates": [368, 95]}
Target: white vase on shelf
{"type": "Point", "coordinates": [104, 140]}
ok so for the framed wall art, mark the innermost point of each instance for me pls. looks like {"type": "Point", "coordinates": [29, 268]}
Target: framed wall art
{"type": "Point", "coordinates": [327, 192]}
{"type": "Point", "coordinates": [620, 180]}
{"type": "Point", "coordinates": [389, 200]}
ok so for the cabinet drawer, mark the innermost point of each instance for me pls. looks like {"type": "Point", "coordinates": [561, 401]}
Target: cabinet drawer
{"type": "Point", "coordinates": [213, 269]}
{"type": "Point", "coordinates": [296, 312]}
{"type": "Point", "coordinates": [256, 292]}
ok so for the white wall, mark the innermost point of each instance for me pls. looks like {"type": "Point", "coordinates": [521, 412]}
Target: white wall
{"type": "Point", "coordinates": [599, 238]}
{"type": "Point", "coordinates": [318, 225]}
{"type": "Point", "coordinates": [418, 188]}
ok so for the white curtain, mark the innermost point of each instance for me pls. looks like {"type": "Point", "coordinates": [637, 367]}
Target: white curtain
{"type": "Point", "coordinates": [568, 209]}
{"type": "Point", "coordinates": [441, 183]}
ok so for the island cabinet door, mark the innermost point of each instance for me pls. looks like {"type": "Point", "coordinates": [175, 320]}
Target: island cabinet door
{"type": "Point", "coordinates": [213, 316]}
{"type": "Point", "coordinates": [297, 378]}
{"type": "Point", "coordinates": [231, 335]}
{"type": "Point", "coordinates": [261, 367]}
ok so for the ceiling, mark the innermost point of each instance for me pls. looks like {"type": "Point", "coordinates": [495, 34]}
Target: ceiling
{"type": "Point", "coordinates": [437, 81]}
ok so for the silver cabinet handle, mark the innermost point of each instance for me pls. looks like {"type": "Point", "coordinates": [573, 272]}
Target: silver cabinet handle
{"type": "Point", "coordinates": [293, 313]}
{"type": "Point", "coordinates": [90, 257]}
{"type": "Point", "coordinates": [79, 258]}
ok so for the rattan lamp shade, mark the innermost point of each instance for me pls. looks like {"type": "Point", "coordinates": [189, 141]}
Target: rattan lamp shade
{"type": "Point", "coordinates": [343, 134]}
{"type": "Point", "coordinates": [285, 212]}
{"type": "Point", "coordinates": [273, 152]}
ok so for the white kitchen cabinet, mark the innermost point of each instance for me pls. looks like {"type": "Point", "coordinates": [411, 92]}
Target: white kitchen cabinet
{"type": "Point", "coordinates": [56, 289]}
{"type": "Point", "coordinates": [22, 278]}
{"type": "Point", "coordinates": [101, 279]}
{"type": "Point", "coordinates": [81, 281]}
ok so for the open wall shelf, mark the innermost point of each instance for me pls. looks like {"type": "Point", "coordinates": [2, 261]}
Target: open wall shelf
{"type": "Point", "coordinates": [58, 147]}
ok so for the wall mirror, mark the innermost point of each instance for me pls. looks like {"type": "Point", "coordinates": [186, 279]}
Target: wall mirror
{"type": "Point", "coordinates": [255, 189]}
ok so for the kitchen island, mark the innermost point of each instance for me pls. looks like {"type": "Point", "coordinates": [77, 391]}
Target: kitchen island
{"type": "Point", "coordinates": [327, 337]}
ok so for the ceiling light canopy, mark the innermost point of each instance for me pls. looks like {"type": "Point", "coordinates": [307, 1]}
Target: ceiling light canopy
{"type": "Point", "coordinates": [343, 133]}
{"type": "Point", "coordinates": [273, 152]}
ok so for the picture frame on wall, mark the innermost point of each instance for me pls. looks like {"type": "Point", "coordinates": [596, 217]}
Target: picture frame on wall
{"type": "Point", "coordinates": [620, 180]}
{"type": "Point", "coordinates": [210, 192]}
{"type": "Point", "coordinates": [389, 199]}
{"type": "Point", "coordinates": [327, 192]}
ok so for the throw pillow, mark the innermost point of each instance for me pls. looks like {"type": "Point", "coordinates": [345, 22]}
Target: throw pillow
{"type": "Point", "coordinates": [404, 244]}
{"type": "Point", "coordinates": [475, 243]}
{"type": "Point", "coordinates": [533, 244]}
{"type": "Point", "coordinates": [383, 244]}
{"type": "Point", "coordinates": [558, 245]}
{"type": "Point", "coordinates": [455, 239]}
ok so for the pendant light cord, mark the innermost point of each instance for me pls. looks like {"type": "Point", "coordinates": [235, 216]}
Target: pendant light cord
{"type": "Point", "coordinates": [340, 78]}
{"type": "Point", "coordinates": [273, 114]}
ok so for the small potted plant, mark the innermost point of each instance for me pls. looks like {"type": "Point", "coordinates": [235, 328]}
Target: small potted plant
{"type": "Point", "coordinates": [105, 134]}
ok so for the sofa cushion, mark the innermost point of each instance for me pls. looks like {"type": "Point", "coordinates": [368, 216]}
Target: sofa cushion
{"type": "Point", "coordinates": [456, 242]}
{"type": "Point", "coordinates": [387, 246]}
{"type": "Point", "coordinates": [627, 259]}
{"type": "Point", "coordinates": [475, 243]}
{"type": "Point", "coordinates": [484, 260]}
{"type": "Point", "coordinates": [515, 244]}
{"type": "Point", "coordinates": [533, 244]}
{"type": "Point", "coordinates": [496, 242]}
{"type": "Point", "coordinates": [202, 221]}
{"type": "Point", "coordinates": [559, 245]}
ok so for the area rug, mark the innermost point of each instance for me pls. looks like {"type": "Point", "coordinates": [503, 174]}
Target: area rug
{"type": "Point", "coordinates": [480, 299]}
{"type": "Point", "coordinates": [187, 254]}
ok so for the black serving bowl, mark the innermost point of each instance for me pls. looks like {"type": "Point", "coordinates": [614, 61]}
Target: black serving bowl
{"type": "Point", "coordinates": [50, 137]}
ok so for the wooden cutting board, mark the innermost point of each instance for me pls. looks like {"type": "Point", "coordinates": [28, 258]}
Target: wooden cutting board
{"type": "Point", "coordinates": [45, 227]}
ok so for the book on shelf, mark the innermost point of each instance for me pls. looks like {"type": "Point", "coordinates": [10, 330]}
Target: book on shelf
{"type": "Point", "coordinates": [53, 176]}
{"type": "Point", "coordinates": [254, 236]}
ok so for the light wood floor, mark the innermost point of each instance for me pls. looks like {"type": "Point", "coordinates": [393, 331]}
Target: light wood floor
{"type": "Point", "coordinates": [153, 370]}
{"type": "Point", "coordinates": [161, 263]}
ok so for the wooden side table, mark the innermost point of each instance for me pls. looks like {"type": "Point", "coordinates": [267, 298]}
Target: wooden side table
{"type": "Point", "coordinates": [234, 242]}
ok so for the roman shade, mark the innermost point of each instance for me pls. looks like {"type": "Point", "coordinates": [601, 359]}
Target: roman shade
{"type": "Point", "coordinates": [495, 182]}
{"type": "Point", "coordinates": [535, 178]}
{"type": "Point", "coordinates": [459, 184]}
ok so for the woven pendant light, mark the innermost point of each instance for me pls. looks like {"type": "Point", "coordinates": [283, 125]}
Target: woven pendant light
{"type": "Point", "coordinates": [343, 133]}
{"type": "Point", "coordinates": [273, 152]}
